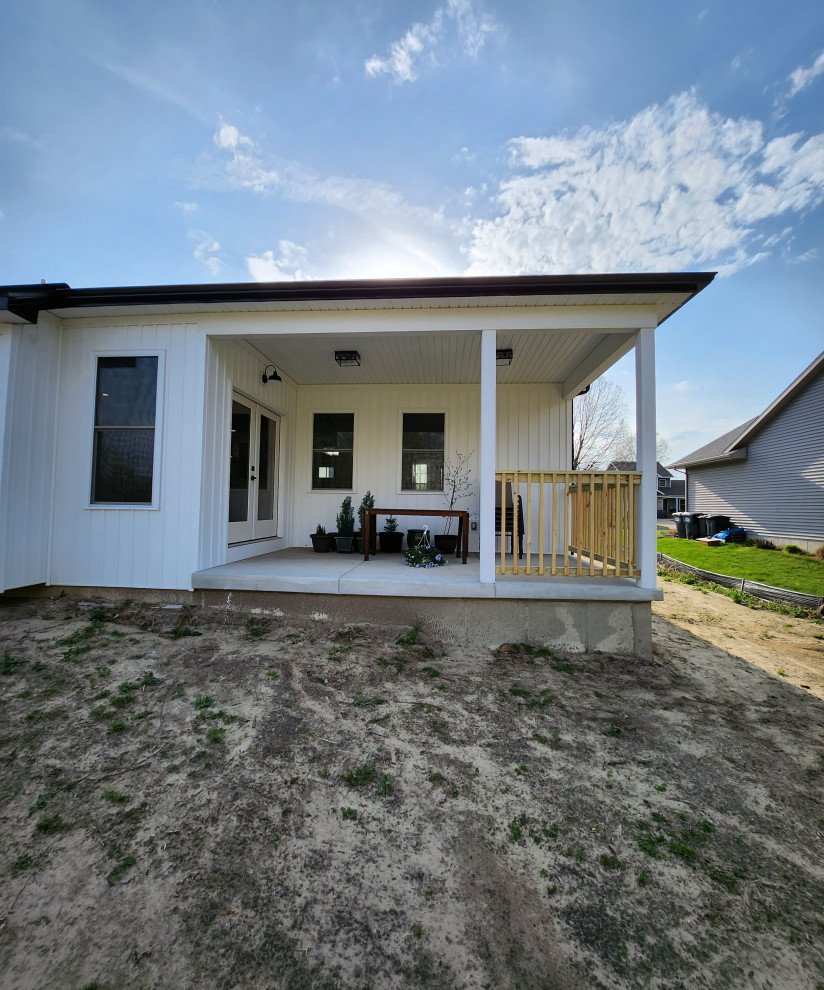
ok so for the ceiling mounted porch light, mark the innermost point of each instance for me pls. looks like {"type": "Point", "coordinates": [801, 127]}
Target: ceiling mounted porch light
{"type": "Point", "coordinates": [347, 359]}
{"type": "Point", "coordinates": [274, 377]}
{"type": "Point", "coordinates": [503, 356]}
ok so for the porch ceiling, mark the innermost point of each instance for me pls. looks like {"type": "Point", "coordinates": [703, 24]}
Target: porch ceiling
{"type": "Point", "coordinates": [441, 358]}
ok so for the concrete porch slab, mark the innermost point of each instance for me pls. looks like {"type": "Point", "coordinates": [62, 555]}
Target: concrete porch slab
{"type": "Point", "coordinates": [385, 575]}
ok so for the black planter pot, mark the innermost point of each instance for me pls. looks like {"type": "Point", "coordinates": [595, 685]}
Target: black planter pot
{"type": "Point", "coordinates": [322, 543]}
{"type": "Point", "coordinates": [391, 542]}
{"type": "Point", "coordinates": [344, 544]}
{"type": "Point", "coordinates": [447, 544]}
{"type": "Point", "coordinates": [413, 537]}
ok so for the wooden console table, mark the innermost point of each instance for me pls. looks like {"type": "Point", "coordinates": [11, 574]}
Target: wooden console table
{"type": "Point", "coordinates": [370, 522]}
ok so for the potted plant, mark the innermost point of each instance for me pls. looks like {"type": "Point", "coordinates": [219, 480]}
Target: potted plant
{"type": "Point", "coordinates": [457, 485]}
{"type": "Point", "coordinates": [321, 540]}
{"type": "Point", "coordinates": [346, 527]}
{"type": "Point", "coordinates": [414, 537]}
{"type": "Point", "coordinates": [367, 502]}
{"type": "Point", "coordinates": [391, 538]}
{"type": "Point", "coordinates": [424, 555]}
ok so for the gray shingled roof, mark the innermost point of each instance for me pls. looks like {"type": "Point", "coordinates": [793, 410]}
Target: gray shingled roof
{"type": "Point", "coordinates": [715, 448]}
{"type": "Point", "coordinates": [630, 466]}
{"type": "Point", "coordinates": [724, 447]}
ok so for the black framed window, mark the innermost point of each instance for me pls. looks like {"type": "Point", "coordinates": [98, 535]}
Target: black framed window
{"type": "Point", "coordinates": [422, 452]}
{"type": "Point", "coordinates": [333, 440]}
{"type": "Point", "coordinates": [124, 430]}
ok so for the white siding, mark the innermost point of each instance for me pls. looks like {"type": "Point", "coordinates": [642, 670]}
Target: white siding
{"type": "Point", "coordinates": [130, 547]}
{"type": "Point", "coordinates": [778, 491]}
{"type": "Point", "coordinates": [29, 359]}
{"type": "Point", "coordinates": [533, 432]}
{"type": "Point", "coordinates": [237, 365]}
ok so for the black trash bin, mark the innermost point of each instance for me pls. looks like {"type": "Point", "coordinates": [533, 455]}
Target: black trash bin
{"type": "Point", "coordinates": [680, 529]}
{"type": "Point", "coordinates": [692, 524]}
{"type": "Point", "coordinates": [710, 525]}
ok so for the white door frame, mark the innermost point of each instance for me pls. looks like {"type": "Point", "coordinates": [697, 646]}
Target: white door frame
{"type": "Point", "coordinates": [253, 509]}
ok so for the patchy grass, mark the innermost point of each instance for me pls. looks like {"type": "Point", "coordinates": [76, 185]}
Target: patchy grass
{"type": "Point", "coordinates": [781, 570]}
{"type": "Point", "coordinates": [548, 818]}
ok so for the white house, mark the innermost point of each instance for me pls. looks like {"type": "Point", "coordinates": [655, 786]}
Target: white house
{"type": "Point", "coordinates": [141, 447]}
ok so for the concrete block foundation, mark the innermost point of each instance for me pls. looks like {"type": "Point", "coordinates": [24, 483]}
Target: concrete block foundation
{"type": "Point", "coordinates": [570, 626]}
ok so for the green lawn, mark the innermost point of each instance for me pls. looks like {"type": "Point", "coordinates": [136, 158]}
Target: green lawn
{"type": "Point", "coordinates": [775, 567]}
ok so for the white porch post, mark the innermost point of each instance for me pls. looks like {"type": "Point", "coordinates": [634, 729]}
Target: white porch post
{"type": "Point", "coordinates": [486, 460]}
{"type": "Point", "coordinates": [645, 455]}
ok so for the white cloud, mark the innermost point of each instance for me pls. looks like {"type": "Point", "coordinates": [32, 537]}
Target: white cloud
{"type": "Point", "coordinates": [227, 136]}
{"type": "Point", "coordinates": [151, 81]}
{"type": "Point", "coordinates": [798, 259]}
{"type": "Point", "coordinates": [423, 43]}
{"type": "Point", "coordinates": [800, 78]}
{"type": "Point", "coordinates": [248, 168]}
{"type": "Point", "coordinates": [207, 250]}
{"type": "Point", "coordinates": [11, 134]}
{"type": "Point", "coordinates": [684, 386]}
{"type": "Point", "coordinates": [286, 267]}
{"type": "Point", "coordinates": [675, 187]}
{"type": "Point", "coordinates": [188, 207]}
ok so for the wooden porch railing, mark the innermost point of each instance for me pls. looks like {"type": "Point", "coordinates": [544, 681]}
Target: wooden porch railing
{"type": "Point", "coordinates": [569, 517]}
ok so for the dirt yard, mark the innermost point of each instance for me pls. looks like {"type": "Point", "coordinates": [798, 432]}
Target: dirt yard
{"type": "Point", "coordinates": [217, 800]}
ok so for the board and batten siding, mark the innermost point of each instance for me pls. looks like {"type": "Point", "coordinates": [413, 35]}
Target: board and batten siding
{"type": "Point", "coordinates": [130, 547]}
{"type": "Point", "coordinates": [29, 362]}
{"type": "Point", "coordinates": [532, 432]}
{"type": "Point", "coordinates": [237, 365]}
{"type": "Point", "coordinates": [777, 493]}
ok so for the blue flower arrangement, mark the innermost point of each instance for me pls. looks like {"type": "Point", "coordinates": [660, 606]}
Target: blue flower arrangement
{"type": "Point", "coordinates": [424, 555]}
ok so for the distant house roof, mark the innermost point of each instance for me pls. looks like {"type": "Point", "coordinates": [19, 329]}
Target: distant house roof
{"type": "Point", "coordinates": [630, 466]}
{"type": "Point", "coordinates": [732, 445]}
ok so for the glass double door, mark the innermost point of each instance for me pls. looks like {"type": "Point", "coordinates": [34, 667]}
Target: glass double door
{"type": "Point", "coordinates": [253, 472]}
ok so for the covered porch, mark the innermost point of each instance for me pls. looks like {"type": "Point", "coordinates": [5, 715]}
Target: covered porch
{"type": "Point", "coordinates": [499, 370]}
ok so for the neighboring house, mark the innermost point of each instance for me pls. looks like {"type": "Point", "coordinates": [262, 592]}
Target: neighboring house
{"type": "Point", "coordinates": [188, 440]}
{"type": "Point", "coordinates": [768, 473]}
{"type": "Point", "coordinates": [671, 491]}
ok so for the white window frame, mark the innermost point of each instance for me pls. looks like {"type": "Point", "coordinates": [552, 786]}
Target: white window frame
{"type": "Point", "coordinates": [160, 354]}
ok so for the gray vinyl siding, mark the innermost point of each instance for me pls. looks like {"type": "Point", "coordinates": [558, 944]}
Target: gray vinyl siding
{"type": "Point", "coordinates": [778, 491]}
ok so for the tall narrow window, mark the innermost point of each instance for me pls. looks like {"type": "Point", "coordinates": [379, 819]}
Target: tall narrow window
{"type": "Point", "coordinates": [333, 436]}
{"type": "Point", "coordinates": [124, 430]}
{"type": "Point", "coordinates": [422, 454]}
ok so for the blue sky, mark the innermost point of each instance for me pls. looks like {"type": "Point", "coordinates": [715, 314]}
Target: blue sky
{"type": "Point", "coordinates": [200, 140]}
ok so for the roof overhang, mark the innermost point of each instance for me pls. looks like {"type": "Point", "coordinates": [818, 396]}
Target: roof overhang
{"type": "Point", "coordinates": [739, 454]}
{"type": "Point", "coordinates": [563, 329]}
{"type": "Point", "coordinates": [666, 291]}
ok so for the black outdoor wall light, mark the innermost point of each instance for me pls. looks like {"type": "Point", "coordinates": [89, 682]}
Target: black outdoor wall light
{"type": "Point", "coordinates": [347, 359]}
{"type": "Point", "coordinates": [503, 356]}
{"type": "Point", "coordinates": [274, 377]}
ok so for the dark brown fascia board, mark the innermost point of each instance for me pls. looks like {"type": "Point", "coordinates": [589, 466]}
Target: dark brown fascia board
{"type": "Point", "coordinates": [27, 301]}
